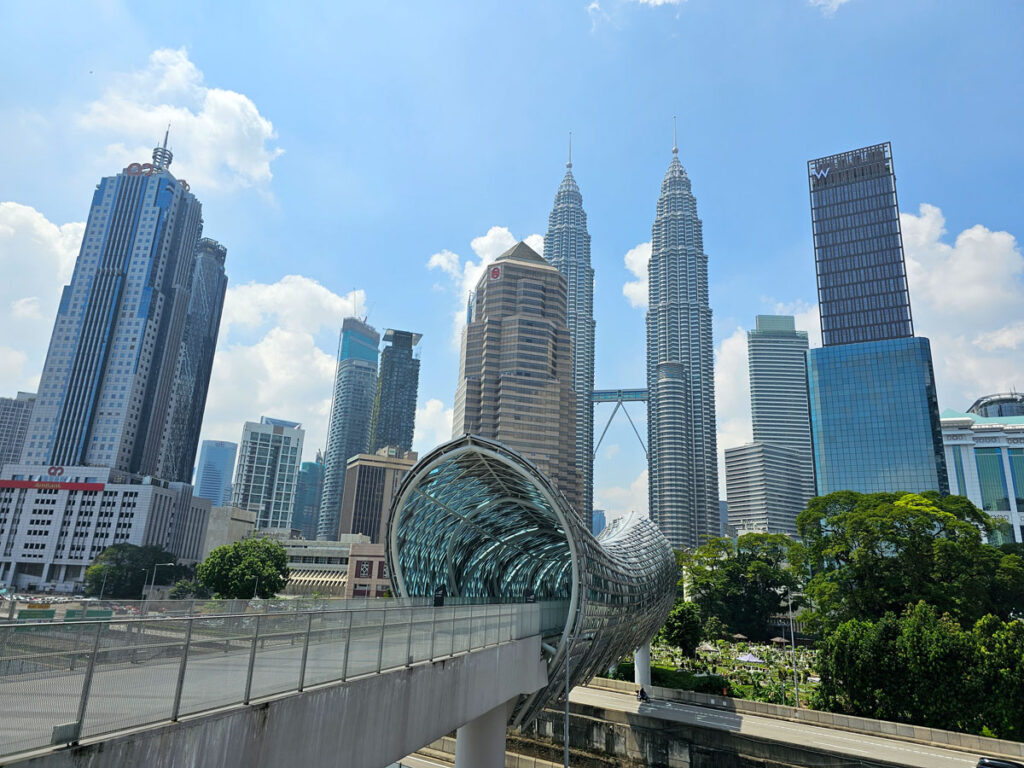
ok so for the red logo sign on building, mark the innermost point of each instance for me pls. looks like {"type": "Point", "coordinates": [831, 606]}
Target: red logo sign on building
{"type": "Point", "coordinates": [55, 470]}
{"type": "Point", "coordinates": [495, 273]}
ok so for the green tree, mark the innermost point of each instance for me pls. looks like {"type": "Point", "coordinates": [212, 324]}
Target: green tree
{"type": "Point", "coordinates": [1000, 669]}
{"type": "Point", "coordinates": [127, 568]}
{"type": "Point", "coordinates": [683, 627]}
{"type": "Point", "coordinates": [249, 567]}
{"type": "Point", "coordinates": [186, 589]}
{"type": "Point", "coordinates": [870, 554]}
{"type": "Point", "coordinates": [715, 629]}
{"type": "Point", "coordinates": [741, 584]}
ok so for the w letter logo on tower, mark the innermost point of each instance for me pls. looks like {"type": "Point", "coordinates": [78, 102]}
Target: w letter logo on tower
{"type": "Point", "coordinates": [822, 174]}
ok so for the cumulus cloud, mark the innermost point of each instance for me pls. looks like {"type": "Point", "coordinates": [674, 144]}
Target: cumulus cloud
{"type": "Point", "coordinates": [220, 139]}
{"type": "Point", "coordinates": [433, 426]}
{"type": "Point", "coordinates": [617, 500]}
{"type": "Point", "coordinates": [828, 7]}
{"type": "Point", "coordinates": [42, 254]}
{"type": "Point", "coordinates": [464, 274]}
{"type": "Point", "coordinates": [732, 396]}
{"type": "Point", "coordinates": [637, 259]}
{"type": "Point", "coordinates": [283, 373]}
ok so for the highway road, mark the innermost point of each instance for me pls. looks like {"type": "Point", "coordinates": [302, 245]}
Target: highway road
{"type": "Point", "coordinates": [800, 734]}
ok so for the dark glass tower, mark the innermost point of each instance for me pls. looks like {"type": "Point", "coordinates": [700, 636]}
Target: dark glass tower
{"type": "Point", "coordinates": [308, 490]}
{"type": "Point", "coordinates": [858, 250]}
{"type": "Point", "coordinates": [195, 362]}
{"type": "Point", "coordinates": [108, 382]}
{"type": "Point", "coordinates": [394, 408]}
{"type": "Point", "coordinates": [683, 459]}
{"type": "Point", "coordinates": [874, 409]}
{"type": "Point", "coordinates": [348, 433]}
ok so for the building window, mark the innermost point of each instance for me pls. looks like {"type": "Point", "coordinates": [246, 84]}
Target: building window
{"type": "Point", "coordinates": [994, 495]}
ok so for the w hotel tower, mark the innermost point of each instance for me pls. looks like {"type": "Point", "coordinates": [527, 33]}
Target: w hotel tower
{"type": "Point", "coordinates": [874, 411]}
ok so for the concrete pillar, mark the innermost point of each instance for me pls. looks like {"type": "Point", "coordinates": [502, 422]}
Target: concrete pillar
{"type": "Point", "coordinates": [480, 743]}
{"type": "Point", "coordinates": [642, 666]}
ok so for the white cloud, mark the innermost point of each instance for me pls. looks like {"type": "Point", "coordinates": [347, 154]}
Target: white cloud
{"type": "Point", "coordinates": [283, 373]}
{"type": "Point", "coordinates": [617, 500]}
{"type": "Point", "coordinates": [732, 397]}
{"type": "Point", "coordinates": [464, 275]}
{"type": "Point", "coordinates": [220, 139]}
{"type": "Point", "coordinates": [637, 259]}
{"type": "Point", "coordinates": [967, 297]}
{"type": "Point", "coordinates": [42, 255]}
{"type": "Point", "coordinates": [433, 426]}
{"type": "Point", "coordinates": [828, 7]}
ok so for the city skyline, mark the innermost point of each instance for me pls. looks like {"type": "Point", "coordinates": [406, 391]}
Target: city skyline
{"type": "Point", "coordinates": [309, 246]}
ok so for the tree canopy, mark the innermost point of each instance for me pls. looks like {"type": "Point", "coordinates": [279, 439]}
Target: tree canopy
{"type": "Point", "coordinates": [251, 567]}
{"type": "Point", "coordinates": [871, 554]}
{"type": "Point", "coordinates": [683, 627]}
{"type": "Point", "coordinates": [127, 568]}
{"type": "Point", "coordinates": [742, 584]}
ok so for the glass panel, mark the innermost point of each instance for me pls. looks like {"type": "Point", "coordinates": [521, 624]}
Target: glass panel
{"type": "Point", "coordinates": [994, 495]}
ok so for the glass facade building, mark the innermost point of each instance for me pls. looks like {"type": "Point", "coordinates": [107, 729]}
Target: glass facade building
{"type": "Point", "coordinates": [15, 414]}
{"type": "Point", "coordinates": [681, 438]}
{"type": "Point", "coordinates": [567, 247]}
{"type": "Point", "coordinates": [213, 475]}
{"type": "Point", "coordinates": [875, 418]}
{"type": "Point", "coordinates": [308, 490]}
{"type": "Point", "coordinates": [348, 431]}
{"type": "Point", "coordinates": [986, 457]}
{"type": "Point", "coordinates": [858, 248]}
{"type": "Point", "coordinates": [394, 408]}
{"type": "Point", "coordinates": [474, 519]}
{"type": "Point", "coordinates": [1005, 404]}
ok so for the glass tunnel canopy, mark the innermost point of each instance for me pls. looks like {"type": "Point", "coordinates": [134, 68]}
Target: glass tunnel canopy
{"type": "Point", "coordinates": [478, 520]}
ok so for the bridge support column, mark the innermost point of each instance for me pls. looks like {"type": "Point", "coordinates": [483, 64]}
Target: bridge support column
{"type": "Point", "coordinates": [642, 665]}
{"type": "Point", "coordinates": [480, 743]}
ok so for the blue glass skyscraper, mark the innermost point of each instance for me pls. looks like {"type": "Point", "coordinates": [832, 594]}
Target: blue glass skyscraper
{"type": "Point", "coordinates": [348, 432]}
{"type": "Point", "coordinates": [109, 378]}
{"type": "Point", "coordinates": [213, 475]}
{"type": "Point", "coordinates": [308, 490]}
{"type": "Point", "coordinates": [394, 407]}
{"type": "Point", "coordinates": [874, 410]}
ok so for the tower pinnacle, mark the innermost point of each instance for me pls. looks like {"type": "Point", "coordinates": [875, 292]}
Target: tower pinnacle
{"type": "Point", "coordinates": [675, 143]}
{"type": "Point", "coordinates": [162, 156]}
{"type": "Point", "coordinates": [569, 164]}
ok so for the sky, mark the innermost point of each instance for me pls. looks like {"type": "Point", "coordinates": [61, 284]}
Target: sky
{"type": "Point", "coordinates": [371, 158]}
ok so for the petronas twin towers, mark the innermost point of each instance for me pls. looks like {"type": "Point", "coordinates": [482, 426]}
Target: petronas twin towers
{"type": "Point", "coordinates": [682, 451]}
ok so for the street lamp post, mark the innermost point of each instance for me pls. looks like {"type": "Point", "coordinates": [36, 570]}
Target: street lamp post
{"type": "Point", "coordinates": [792, 645]}
{"type": "Point", "coordinates": [152, 582]}
{"type": "Point", "coordinates": [103, 586]}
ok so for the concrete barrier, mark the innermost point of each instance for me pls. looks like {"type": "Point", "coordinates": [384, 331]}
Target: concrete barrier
{"type": "Point", "coordinates": [963, 741]}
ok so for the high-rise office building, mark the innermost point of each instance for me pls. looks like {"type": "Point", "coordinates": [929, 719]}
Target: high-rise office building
{"type": "Point", "coordinates": [195, 362]}
{"type": "Point", "coordinates": [307, 497]}
{"type": "Point", "coordinates": [370, 487]}
{"type": "Point", "coordinates": [107, 385]}
{"type": "Point", "coordinates": [769, 482]}
{"type": "Point", "coordinates": [874, 410]}
{"type": "Point", "coordinates": [15, 414]}
{"type": "Point", "coordinates": [213, 475]}
{"type": "Point", "coordinates": [567, 247]}
{"type": "Point", "coordinates": [681, 439]}
{"type": "Point", "coordinates": [599, 522]}
{"type": "Point", "coordinates": [267, 470]}
{"type": "Point", "coordinates": [515, 370]}
{"type": "Point", "coordinates": [348, 432]}
{"type": "Point", "coordinates": [394, 407]}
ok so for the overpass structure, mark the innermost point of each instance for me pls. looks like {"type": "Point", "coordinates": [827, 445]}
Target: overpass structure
{"type": "Point", "coordinates": [533, 604]}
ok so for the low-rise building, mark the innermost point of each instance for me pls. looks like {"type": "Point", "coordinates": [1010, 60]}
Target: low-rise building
{"type": "Point", "coordinates": [985, 457]}
{"type": "Point", "coordinates": [227, 525]}
{"type": "Point", "coordinates": [371, 481]}
{"type": "Point", "coordinates": [320, 567]}
{"type": "Point", "coordinates": [368, 574]}
{"type": "Point", "coordinates": [54, 521]}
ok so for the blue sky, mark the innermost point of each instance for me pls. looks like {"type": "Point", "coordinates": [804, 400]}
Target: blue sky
{"type": "Point", "coordinates": [339, 151]}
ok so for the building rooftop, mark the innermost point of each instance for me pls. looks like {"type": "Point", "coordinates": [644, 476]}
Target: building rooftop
{"type": "Point", "coordinates": [950, 415]}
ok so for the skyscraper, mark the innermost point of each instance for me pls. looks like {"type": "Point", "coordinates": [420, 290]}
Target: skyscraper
{"type": "Point", "coordinates": [15, 414]}
{"type": "Point", "coordinates": [874, 410]}
{"type": "Point", "coordinates": [369, 489]}
{"type": "Point", "coordinates": [515, 370]}
{"type": "Point", "coordinates": [106, 388]}
{"type": "Point", "coordinates": [770, 481]}
{"type": "Point", "coordinates": [213, 475]}
{"type": "Point", "coordinates": [348, 432]}
{"type": "Point", "coordinates": [567, 247]}
{"type": "Point", "coordinates": [195, 362]}
{"type": "Point", "coordinates": [394, 407]}
{"type": "Point", "coordinates": [310, 488]}
{"type": "Point", "coordinates": [267, 471]}
{"type": "Point", "coordinates": [681, 440]}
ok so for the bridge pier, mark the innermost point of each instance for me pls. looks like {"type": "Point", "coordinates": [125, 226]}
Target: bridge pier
{"type": "Point", "coordinates": [480, 743]}
{"type": "Point", "coordinates": [642, 665]}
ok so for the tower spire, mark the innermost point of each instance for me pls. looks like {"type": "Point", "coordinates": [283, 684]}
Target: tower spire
{"type": "Point", "coordinates": [166, 134]}
{"type": "Point", "coordinates": [675, 143]}
{"type": "Point", "coordinates": [569, 164]}
{"type": "Point", "coordinates": [162, 156]}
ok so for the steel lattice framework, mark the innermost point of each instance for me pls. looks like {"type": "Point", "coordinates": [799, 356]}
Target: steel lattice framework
{"type": "Point", "coordinates": [478, 520]}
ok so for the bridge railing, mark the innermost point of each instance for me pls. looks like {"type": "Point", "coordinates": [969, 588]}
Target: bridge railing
{"type": "Point", "coordinates": [62, 681]}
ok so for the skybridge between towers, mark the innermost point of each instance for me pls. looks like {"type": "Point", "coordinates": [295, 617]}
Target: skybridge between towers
{"type": "Point", "coordinates": [502, 598]}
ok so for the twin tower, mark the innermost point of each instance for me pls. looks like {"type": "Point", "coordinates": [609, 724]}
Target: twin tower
{"type": "Point", "coordinates": [526, 374]}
